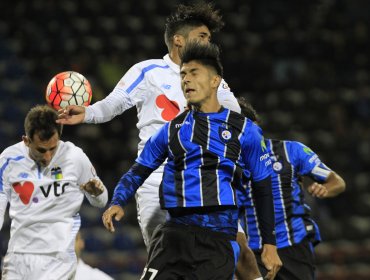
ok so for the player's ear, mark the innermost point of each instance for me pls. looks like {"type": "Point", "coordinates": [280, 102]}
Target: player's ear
{"type": "Point", "coordinates": [215, 81]}
{"type": "Point", "coordinates": [178, 40]}
{"type": "Point", "coordinates": [26, 140]}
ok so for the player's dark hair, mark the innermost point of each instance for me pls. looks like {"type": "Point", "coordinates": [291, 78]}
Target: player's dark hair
{"type": "Point", "coordinates": [247, 110]}
{"type": "Point", "coordinates": [188, 17]}
{"type": "Point", "coordinates": [205, 54]}
{"type": "Point", "coordinates": [41, 120]}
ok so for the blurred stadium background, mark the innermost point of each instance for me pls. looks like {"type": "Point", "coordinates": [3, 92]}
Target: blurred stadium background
{"type": "Point", "coordinates": [303, 64]}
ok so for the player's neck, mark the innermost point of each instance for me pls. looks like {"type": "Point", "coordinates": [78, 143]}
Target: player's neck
{"type": "Point", "coordinates": [208, 107]}
{"type": "Point", "coordinates": [174, 55]}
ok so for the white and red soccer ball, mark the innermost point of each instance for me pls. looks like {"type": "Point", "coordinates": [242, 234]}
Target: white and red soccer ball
{"type": "Point", "coordinates": [68, 88]}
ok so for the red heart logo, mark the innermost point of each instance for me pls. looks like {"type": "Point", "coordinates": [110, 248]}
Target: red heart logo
{"type": "Point", "coordinates": [24, 190]}
{"type": "Point", "coordinates": [170, 107]}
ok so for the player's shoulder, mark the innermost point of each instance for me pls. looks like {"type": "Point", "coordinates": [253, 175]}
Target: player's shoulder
{"type": "Point", "coordinates": [150, 64]}
{"type": "Point", "coordinates": [70, 148]}
{"type": "Point", "coordinates": [14, 151]}
{"type": "Point", "coordinates": [179, 120]}
{"type": "Point", "coordinates": [296, 145]}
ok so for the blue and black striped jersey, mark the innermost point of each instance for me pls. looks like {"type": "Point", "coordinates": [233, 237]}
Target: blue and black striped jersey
{"type": "Point", "coordinates": [206, 155]}
{"type": "Point", "coordinates": [290, 161]}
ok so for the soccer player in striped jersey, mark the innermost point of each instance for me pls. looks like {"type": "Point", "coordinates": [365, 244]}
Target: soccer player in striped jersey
{"type": "Point", "coordinates": [296, 232]}
{"type": "Point", "coordinates": [154, 87]}
{"type": "Point", "coordinates": [207, 148]}
{"type": "Point", "coordinates": [45, 180]}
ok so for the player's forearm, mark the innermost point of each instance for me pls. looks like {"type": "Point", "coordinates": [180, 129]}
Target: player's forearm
{"type": "Point", "coordinates": [105, 110]}
{"type": "Point", "coordinates": [100, 200]}
{"type": "Point", "coordinates": [334, 185]}
{"type": "Point", "coordinates": [129, 183]}
{"type": "Point", "coordinates": [262, 192]}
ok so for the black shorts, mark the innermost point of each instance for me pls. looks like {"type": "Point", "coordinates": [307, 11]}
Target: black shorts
{"type": "Point", "coordinates": [298, 262]}
{"type": "Point", "coordinates": [190, 252]}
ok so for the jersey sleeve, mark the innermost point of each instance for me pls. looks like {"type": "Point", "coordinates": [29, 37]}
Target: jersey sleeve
{"type": "Point", "coordinates": [226, 97]}
{"type": "Point", "coordinates": [155, 150]}
{"type": "Point", "coordinates": [84, 167]}
{"type": "Point", "coordinates": [307, 162]}
{"type": "Point", "coordinates": [126, 94]}
{"type": "Point", "coordinates": [153, 155]}
{"type": "Point", "coordinates": [87, 172]}
{"type": "Point", "coordinates": [254, 153]}
{"type": "Point", "coordinates": [3, 188]}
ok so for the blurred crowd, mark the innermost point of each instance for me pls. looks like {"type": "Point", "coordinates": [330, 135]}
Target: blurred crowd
{"type": "Point", "coordinates": [304, 65]}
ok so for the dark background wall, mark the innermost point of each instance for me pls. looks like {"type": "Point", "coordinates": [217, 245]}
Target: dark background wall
{"type": "Point", "coordinates": [303, 64]}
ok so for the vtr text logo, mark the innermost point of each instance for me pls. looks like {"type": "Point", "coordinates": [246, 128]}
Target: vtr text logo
{"type": "Point", "coordinates": [25, 190]}
{"type": "Point", "coordinates": [57, 188]}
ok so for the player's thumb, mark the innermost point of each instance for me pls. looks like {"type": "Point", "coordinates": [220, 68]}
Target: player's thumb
{"type": "Point", "coordinates": [119, 215]}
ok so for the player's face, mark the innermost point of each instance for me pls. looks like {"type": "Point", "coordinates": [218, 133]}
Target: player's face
{"type": "Point", "coordinates": [200, 34]}
{"type": "Point", "coordinates": [198, 83]}
{"type": "Point", "coordinates": [42, 151]}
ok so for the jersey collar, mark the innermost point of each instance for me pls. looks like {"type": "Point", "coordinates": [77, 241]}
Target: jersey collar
{"type": "Point", "coordinates": [173, 65]}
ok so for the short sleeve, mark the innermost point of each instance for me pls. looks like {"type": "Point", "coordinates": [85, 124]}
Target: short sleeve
{"type": "Point", "coordinates": [155, 150]}
{"type": "Point", "coordinates": [307, 162]}
{"type": "Point", "coordinates": [254, 153]}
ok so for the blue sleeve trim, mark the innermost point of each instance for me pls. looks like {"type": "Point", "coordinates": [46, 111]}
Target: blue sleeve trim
{"type": "Point", "coordinates": [142, 74]}
{"type": "Point", "coordinates": [2, 169]}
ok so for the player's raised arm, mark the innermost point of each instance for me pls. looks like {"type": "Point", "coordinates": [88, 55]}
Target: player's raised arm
{"type": "Point", "coordinates": [71, 115]}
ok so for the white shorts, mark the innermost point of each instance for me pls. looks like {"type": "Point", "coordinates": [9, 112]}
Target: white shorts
{"type": "Point", "coordinates": [20, 266]}
{"type": "Point", "coordinates": [149, 212]}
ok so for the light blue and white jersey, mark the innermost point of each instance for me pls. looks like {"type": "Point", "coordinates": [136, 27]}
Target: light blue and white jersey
{"type": "Point", "coordinates": [45, 201]}
{"type": "Point", "coordinates": [154, 87]}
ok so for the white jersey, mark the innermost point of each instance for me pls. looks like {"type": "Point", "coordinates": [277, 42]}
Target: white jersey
{"type": "Point", "coordinates": [154, 87]}
{"type": "Point", "coordinates": [44, 202]}
{"type": "Point", "coordinates": [86, 272]}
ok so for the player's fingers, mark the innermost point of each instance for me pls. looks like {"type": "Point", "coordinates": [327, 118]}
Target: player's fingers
{"type": "Point", "coordinates": [319, 191]}
{"type": "Point", "coordinates": [322, 192]}
{"type": "Point", "coordinates": [107, 221]}
{"type": "Point", "coordinates": [312, 187]}
{"type": "Point", "coordinates": [119, 215]}
{"type": "Point", "coordinates": [269, 275]}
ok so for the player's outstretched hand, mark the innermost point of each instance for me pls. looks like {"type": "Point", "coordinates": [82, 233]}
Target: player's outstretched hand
{"type": "Point", "coordinates": [93, 186]}
{"type": "Point", "coordinates": [271, 260]}
{"type": "Point", "coordinates": [113, 211]}
{"type": "Point", "coordinates": [72, 114]}
{"type": "Point", "coordinates": [318, 190]}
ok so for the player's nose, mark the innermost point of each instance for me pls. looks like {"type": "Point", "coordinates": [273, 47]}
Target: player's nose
{"type": "Point", "coordinates": [48, 156]}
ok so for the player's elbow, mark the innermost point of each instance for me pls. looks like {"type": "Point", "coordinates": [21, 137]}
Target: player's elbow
{"type": "Point", "coordinates": [339, 185]}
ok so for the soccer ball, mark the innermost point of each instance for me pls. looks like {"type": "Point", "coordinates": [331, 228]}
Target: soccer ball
{"type": "Point", "coordinates": [68, 88]}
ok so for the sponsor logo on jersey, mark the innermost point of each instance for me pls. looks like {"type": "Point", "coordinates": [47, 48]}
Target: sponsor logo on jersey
{"type": "Point", "coordinates": [23, 175]}
{"type": "Point", "coordinates": [181, 124]}
{"type": "Point", "coordinates": [264, 156]}
{"type": "Point", "coordinates": [165, 86]}
{"type": "Point", "coordinates": [307, 150]}
{"type": "Point", "coordinates": [58, 189]}
{"type": "Point", "coordinates": [57, 173]}
{"type": "Point", "coordinates": [169, 108]}
{"type": "Point", "coordinates": [24, 190]}
{"type": "Point", "coordinates": [263, 144]}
